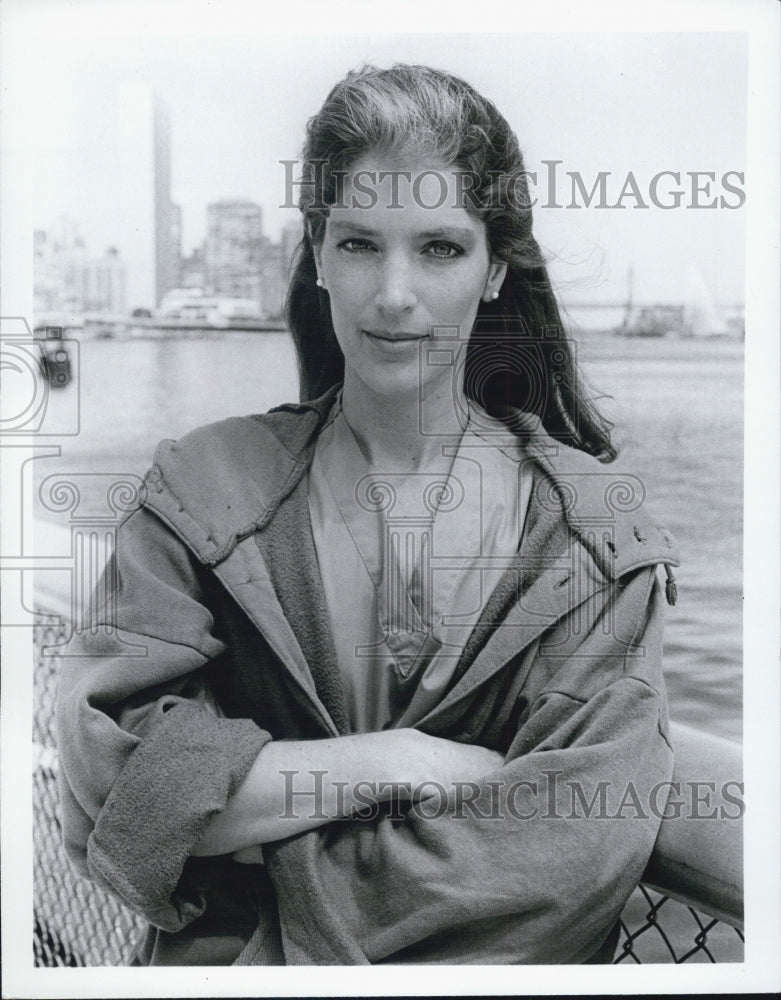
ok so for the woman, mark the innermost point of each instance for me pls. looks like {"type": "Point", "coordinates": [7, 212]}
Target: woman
{"type": "Point", "coordinates": [385, 681]}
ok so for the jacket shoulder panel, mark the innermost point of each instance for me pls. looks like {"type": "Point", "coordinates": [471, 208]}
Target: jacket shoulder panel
{"type": "Point", "coordinates": [604, 506]}
{"type": "Point", "coordinates": [221, 482]}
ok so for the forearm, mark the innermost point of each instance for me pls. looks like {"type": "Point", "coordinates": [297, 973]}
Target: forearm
{"type": "Point", "coordinates": [297, 785]}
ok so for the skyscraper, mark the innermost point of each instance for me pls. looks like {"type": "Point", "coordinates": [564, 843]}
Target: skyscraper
{"type": "Point", "coordinates": [176, 244]}
{"type": "Point", "coordinates": [144, 203]}
{"type": "Point", "coordinates": [233, 248]}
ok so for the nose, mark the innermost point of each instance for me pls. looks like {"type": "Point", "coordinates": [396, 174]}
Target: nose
{"type": "Point", "coordinates": [395, 286]}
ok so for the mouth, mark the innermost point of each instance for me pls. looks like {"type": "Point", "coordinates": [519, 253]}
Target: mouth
{"type": "Point", "coordinates": [403, 337]}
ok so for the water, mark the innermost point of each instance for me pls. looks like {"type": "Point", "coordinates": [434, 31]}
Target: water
{"type": "Point", "coordinates": [678, 410]}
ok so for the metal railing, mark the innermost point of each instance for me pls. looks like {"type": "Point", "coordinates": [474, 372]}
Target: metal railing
{"type": "Point", "coordinates": [77, 924]}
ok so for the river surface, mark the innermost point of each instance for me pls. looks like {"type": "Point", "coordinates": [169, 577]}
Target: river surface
{"type": "Point", "coordinates": [678, 410]}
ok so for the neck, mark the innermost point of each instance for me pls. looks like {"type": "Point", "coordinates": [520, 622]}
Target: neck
{"type": "Point", "coordinates": [404, 433]}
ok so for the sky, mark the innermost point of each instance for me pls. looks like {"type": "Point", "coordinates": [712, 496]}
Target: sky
{"type": "Point", "coordinates": [616, 102]}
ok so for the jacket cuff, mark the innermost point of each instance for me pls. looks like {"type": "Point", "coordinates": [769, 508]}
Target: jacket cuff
{"type": "Point", "coordinates": [177, 779]}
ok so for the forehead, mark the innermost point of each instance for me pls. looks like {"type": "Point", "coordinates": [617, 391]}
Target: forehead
{"type": "Point", "coordinates": [398, 193]}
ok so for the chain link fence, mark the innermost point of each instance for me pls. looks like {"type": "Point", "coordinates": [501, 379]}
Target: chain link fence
{"type": "Point", "coordinates": [77, 924]}
{"type": "Point", "coordinates": [657, 929]}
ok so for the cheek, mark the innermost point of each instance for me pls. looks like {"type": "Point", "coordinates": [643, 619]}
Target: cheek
{"type": "Point", "coordinates": [346, 305]}
{"type": "Point", "coordinates": [346, 285]}
{"type": "Point", "coordinates": [461, 296]}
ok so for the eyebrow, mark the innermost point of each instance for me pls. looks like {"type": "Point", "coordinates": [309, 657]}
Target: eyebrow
{"type": "Point", "coordinates": [445, 232]}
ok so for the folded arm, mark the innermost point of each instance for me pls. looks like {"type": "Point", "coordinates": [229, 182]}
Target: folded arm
{"type": "Point", "coordinates": [537, 866]}
{"type": "Point", "coordinates": [152, 773]}
{"type": "Point", "coordinates": [298, 785]}
{"type": "Point", "coordinates": [140, 737]}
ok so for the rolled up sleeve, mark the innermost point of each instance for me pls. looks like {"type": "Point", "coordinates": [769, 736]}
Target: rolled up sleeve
{"type": "Point", "coordinates": [146, 757]}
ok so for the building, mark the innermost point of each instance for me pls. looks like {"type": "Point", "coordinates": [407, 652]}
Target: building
{"type": "Point", "coordinates": [67, 278]}
{"type": "Point", "coordinates": [193, 270]}
{"type": "Point", "coordinates": [176, 246]}
{"type": "Point", "coordinates": [49, 264]}
{"type": "Point", "coordinates": [144, 203]}
{"type": "Point", "coordinates": [234, 242]}
{"type": "Point", "coordinates": [99, 284]}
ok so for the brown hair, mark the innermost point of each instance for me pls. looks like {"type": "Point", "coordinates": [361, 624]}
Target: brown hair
{"type": "Point", "coordinates": [518, 356]}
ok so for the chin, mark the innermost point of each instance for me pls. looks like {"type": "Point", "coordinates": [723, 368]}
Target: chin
{"type": "Point", "coordinates": [390, 387]}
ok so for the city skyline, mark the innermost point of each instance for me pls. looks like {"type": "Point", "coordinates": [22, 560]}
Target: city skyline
{"type": "Point", "coordinates": [235, 260]}
{"type": "Point", "coordinates": [654, 104]}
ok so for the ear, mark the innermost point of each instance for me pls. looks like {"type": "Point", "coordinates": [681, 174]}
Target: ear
{"type": "Point", "coordinates": [496, 276]}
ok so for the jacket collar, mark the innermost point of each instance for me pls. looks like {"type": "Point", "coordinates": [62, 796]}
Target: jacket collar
{"type": "Point", "coordinates": [193, 485]}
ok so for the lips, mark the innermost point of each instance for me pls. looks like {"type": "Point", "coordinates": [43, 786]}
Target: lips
{"type": "Point", "coordinates": [395, 338]}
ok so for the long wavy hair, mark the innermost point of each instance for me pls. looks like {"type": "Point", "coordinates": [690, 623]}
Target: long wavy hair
{"type": "Point", "coordinates": [518, 357]}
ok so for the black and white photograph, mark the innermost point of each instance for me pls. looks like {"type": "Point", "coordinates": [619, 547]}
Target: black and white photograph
{"type": "Point", "coordinates": [390, 447]}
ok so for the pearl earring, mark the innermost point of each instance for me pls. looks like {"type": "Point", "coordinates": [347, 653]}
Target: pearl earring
{"type": "Point", "coordinates": [494, 295]}
{"type": "Point", "coordinates": [320, 283]}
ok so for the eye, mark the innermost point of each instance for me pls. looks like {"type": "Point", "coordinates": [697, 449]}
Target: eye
{"type": "Point", "coordinates": [443, 250]}
{"type": "Point", "coordinates": [355, 245]}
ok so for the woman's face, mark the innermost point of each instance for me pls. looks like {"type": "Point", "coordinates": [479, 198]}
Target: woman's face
{"type": "Point", "coordinates": [404, 266]}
